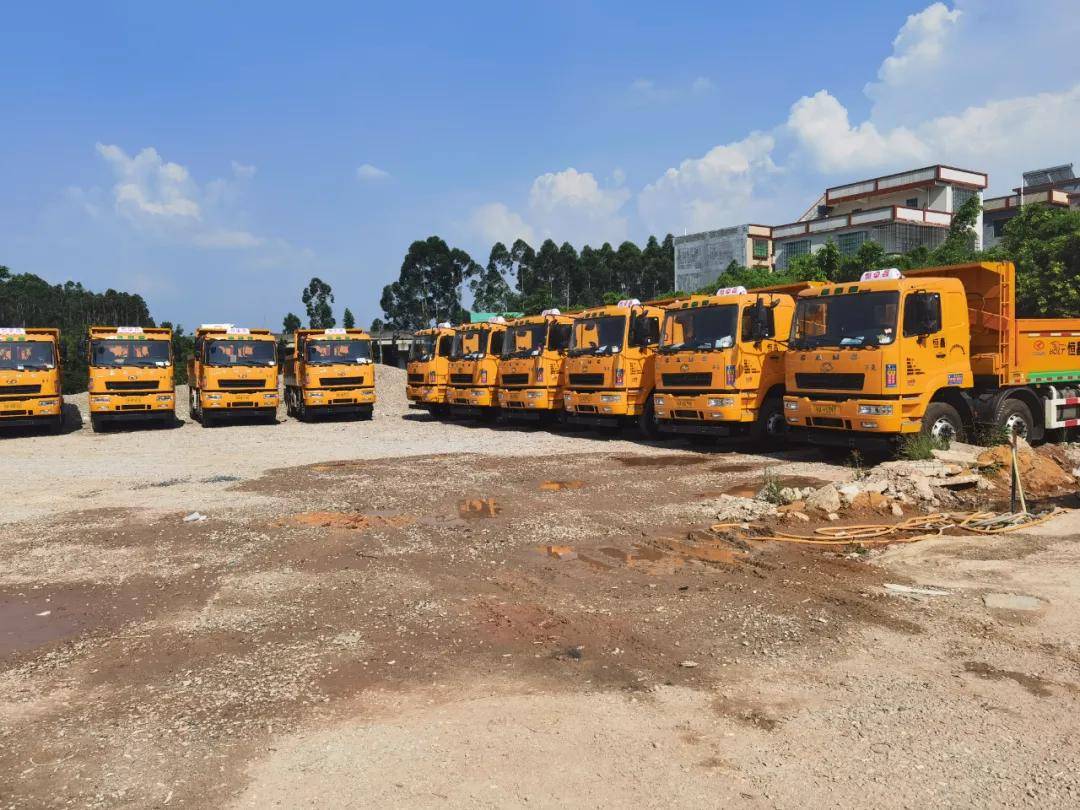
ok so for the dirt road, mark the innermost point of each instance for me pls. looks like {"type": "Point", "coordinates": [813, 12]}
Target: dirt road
{"type": "Point", "coordinates": [405, 613]}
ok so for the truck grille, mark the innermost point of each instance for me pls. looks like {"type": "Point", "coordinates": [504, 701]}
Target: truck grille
{"type": "Point", "coordinates": [416, 378]}
{"type": "Point", "coordinates": [834, 382]}
{"type": "Point", "coordinates": [331, 381]}
{"type": "Point", "coordinates": [19, 389]}
{"type": "Point", "coordinates": [131, 385]}
{"type": "Point", "coordinates": [586, 379]}
{"type": "Point", "coordinates": [687, 414]}
{"type": "Point", "coordinates": [515, 379]}
{"type": "Point", "coordinates": [243, 384]}
{"type": "Point", "coordinates": [461, 379]}
{"type": "Point", "coordinates": [695, 379]}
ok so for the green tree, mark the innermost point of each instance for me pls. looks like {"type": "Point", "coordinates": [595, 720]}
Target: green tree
{"type": "Point", "coordinates": [290, 324]}
{"type": "Point", "coordinates": [183, 346]}
{"type": "Point", "coordinates": [491, 290]}
{"type": "Point", "coordinates": [317, 298]}
{"type": "Point", "coordinates": [523, 257]}
{"type": "Point", "coordinates": [348, 320]}
{"type": "Point", "coordinates": [1044, 243]}
{"type": "Point", "coordinates": [428, 289]}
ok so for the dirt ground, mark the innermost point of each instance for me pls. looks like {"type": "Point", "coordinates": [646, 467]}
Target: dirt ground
{"type": "Point", "coordinates": [407, 613]}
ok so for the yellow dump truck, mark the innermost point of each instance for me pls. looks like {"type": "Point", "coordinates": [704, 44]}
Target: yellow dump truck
{"type": "Point", "coordinates": [30, 392]}
{"type": "Point", "coordinates": [610, 366]}
{"type": "Point", "coordinates": [429, 368]}
{"type": "Point", "coordinates": [131, 375]}
{"type": "Point", "coordinates": [329, 372]}
{"type": "Point", "coordinates": [474, 369]}
{"type": "Point", "coordinates": [233, 370]}
{"type": "Point", "coordinates": [937, 350]}
{"type": "Point", "coordinates": [720, 364]}
{"type": "Point", "coordinates": [532, 371]}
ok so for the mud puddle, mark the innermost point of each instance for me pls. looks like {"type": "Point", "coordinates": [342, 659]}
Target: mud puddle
{"type": "Point", "coordinates": [351, 521]}
{"type": "Point", "coordinates": [479, 508]}
{"type": "Point", "coordinates": [559, 486]}
{"type": "Point", "coordinates": [660, 461]}
{"type": "Point", "coordinates": [793, 481]}
{"type": "Point", "coordinates": [1032, 683]}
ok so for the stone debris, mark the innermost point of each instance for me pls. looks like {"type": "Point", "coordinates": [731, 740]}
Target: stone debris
{"type": "Point", "coordinates": [1012, 601]}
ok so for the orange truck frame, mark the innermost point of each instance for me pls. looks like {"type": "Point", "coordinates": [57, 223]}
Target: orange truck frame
{"type": "Point", "coordinates": [428, 368]}
{"type": "Point", "coordinates": [532, 372]}
{"type": "Point", "coordinates": [474, 369]}
{"type": "Point", "coordinates": [720, 364]}
{"type": "Point", "coordinates": [233, 370]}
{"type": "Point", "coordinates": [610, 366]}
{"type": "Point", "coordinates": [131, 375]}
{"type": "Point", "coordinates": [30, 381]}
{"type": "Point", "coordinates": [937, 350]}
{"type": "Point", "coordinates": [329, 372]}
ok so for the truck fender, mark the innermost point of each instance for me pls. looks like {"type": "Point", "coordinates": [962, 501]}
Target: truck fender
{"type": "Point", "coordinates": [961, 400]}
{"type": "Point", "coordinates": [987, 405]}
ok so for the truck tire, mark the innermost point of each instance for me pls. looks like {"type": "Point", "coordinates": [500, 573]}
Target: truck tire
{"type": "Point", "coordinates": [300, 409]}
{"type": "Point", "coordinates": [56, 425]}
{"type": "Point", "coordinates": [1014, 416]}
{"type": "Point", "coordinates": [207, 420]}
{"type": "Point", "coordinates": [193, 405]}
{"type": "Point", "coordinates": [770, 429]}
{"type": "Point", "coordinates": [942, 421]}
{"type": "Point", "coordinates": [97, 424]}
{"type": "Point", "coordinates": [646, 421]}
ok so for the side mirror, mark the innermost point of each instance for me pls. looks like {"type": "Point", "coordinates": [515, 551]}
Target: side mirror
{"type": "Point", "coordinates": [759, 324]}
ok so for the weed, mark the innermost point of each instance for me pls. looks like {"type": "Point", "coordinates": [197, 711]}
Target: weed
{"type": "Point", "coordinates": [921, 447]}
{"type": "Point", "coordinates": [770, 492]}
{"type": "Point", "coordinates": [855, 461]}
{"type": "Point", "coordinates": [991, 435]}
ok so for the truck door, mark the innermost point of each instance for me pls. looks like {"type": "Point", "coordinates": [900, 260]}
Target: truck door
{"type": "Point", "coordinates": [925, 355]}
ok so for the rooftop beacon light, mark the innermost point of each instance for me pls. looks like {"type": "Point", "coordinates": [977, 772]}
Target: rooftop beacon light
{"type": "Point", "coordinates": [885, 274]}
{"type": "Point", "coordinates": [628, 303]}
{"type": "Point", "coordinates": [553, 311]}
{"type": "Point", "coordinates": [740, 290]}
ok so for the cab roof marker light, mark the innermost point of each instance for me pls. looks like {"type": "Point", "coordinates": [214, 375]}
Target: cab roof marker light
{"type": "Point", "coordinates": [627, 303]}
{"type": "Point", "coordinates": [217, 326]}
{"type": "Point", "coordinates": [551, 312]}
{"type": "Point", "coordinates": [129, 330]}
{"type": "Point", "coordinates": [12, 330]}
{"type": "Point", "coordinates": [885, 274]}
{"type": "Point", "coordinates": [334, 332]}
{"type": "Point", "coordinates": [238, 330]}
{"type": "Point", "coordinates": [497, 319]}
{"type": "Point", "coordinates": [740, 290]}
{"type": "Point", "coordinates": [444, 325]}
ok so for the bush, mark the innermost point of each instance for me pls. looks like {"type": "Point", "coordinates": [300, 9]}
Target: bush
{"type": "Point", "coordinates": [991, 435]}
{"type": "Point", "coordinates": [921, 447]}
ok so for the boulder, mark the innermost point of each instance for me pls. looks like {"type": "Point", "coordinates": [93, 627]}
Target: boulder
{"type": "Point", "coordinates": [850, 491]}
{"type": "Point", "coordinates": [825, 500]}
{"type": "Point", "coordinates": [959, 454]}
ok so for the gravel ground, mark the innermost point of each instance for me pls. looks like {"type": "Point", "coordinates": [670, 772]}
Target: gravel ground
{"type": "Point", "coordinates": [405, 613]}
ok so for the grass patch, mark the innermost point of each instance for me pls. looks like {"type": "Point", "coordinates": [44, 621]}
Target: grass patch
{"type": "Point", "coordinates": [770, 492]}
{"type": "Point", "coordinates": [991, 435]}
{"type": "Point", "coordinates": [921, 447]}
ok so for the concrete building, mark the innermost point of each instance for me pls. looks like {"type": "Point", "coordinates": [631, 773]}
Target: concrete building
{"type": "Point", "coordinates": [898, 211]}
{"type": "Point", "coordinates": [701, 257]}
{"type": "Point", "coordinates": [1057, 186]}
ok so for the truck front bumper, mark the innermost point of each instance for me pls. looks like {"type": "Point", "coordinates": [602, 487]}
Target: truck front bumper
{"type": "Point", "coordinates": [333, 399]}
{"type": "Point", "coordinates": [426, 394]}
{"type": "Point", "coordinates": [605, 404]}
{"type": "Point", "coordinates": [472, 397]}
{"type": "Point", "coordinates": [862, 415]}
{"type": "Point", "coordinates": [517, 400]}
{"type": "Point", "coordinates": [132, 406]}
{"type": "Point", "coordinates": [238, 400]}
{"type": "Point", "coordinates": [30, 411]}
{"type": "Point", "coordinates": [719, 413]}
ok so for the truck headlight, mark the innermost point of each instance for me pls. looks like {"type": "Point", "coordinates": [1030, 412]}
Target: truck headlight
{"type": "Point", "coordinates": [790, 405]}
{"type": "Point", "coordinates": [535, 394]}
{"type": "Point", "coordinates": [47, 403]}
{"type": "Point", "coordinates": [875, 410]}
{"type": "Point", "coordinates": [100, 400]}
{"type": "Point", "coordinates": [610, 398]}
{"type": "Point", "coordinates": [868, 425]}
{"type": "Point", "coordinates": [269, 396]}
{"type": "Point", "coordinates": [721, 402]}
{"type": "Point", "coordinates": [213, 396]}
{"type": "Point", "coordinates": [164, 398]}
{"type": "Point", "coordinates": [315, 394]}
{"type": "Point", "coordinates": [658, 400]}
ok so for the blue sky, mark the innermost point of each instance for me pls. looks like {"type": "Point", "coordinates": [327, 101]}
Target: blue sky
{"type": "Point", "coordinates": [215, 156]}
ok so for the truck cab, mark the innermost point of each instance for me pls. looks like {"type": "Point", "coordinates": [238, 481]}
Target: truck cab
{"type": "Point", "coordinates": [532, 371]}
{"type": "Point", "coordinates": [330, 371]}
{"type": "Point", "coordinates": [131, 375]}
{"type": "Point", "coordinates": [30, 389]}
{"type": "Point", "coordinates": [233, 371]}
{"type": "Point", "coordinates": [474, 369]}
{"type": "Point", "coordinates": [429, 368]}
{"type": "Point", "coordinates": [610, 366]}
{"type": "Point", "coordinates": [720, 364]}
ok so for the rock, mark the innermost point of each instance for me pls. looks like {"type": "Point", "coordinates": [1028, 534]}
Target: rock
{"type": "Point", "coordinates": [849, 492]}
{"type": "Point", "coordinates": [194, 517]}
{"type": "Point", "coordinates": [832, 516]}
{"type": "Point", "coordinates": [789, 494]}
{"type": "Point", "coordinates": [825, 500]}
{"type": "Point", "coordinates": [902, 469]}
{"type": "Point", "coordinates": [955, 469]}
{"type": "Point", "coordinates": [871, 500]}
{"type": "Point", "coordinates": [892, 587]}
{"type": "Point", "coordinates": [920, 487]}
{"type": "Point", "coordinates": [896, 509]}
{"type": "Point", "coordinates": [878, 485]}
{"type": "Point", "coordinates": [1012, 601]}
{"type": "Point", "coordinates": [794, 506]}
{"type": "Point", "coordinates": [732, 509]}
{"type": "Point", "coordinates": [956, 481]}
{"type": "Point", "coordinates": [688, 664]}
{"type": "Point", "coordinates": [801, 516]}
{"type": "Point", "coordinates": [954, 455]}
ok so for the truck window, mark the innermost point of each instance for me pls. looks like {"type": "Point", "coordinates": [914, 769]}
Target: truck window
{"type": "Point", "coordinates": [559, 336]}
{"type": "Point", "coordinates": [446, 344]}
{"type": "Point", "coordinates": [112, 353]}
{"type": "Point", "coordinates": [748, 323]}
{"type": "Point", "coordinates": [330, 352]}
{"type": "Point", "coordinates": [240, 353]}
{"type": "Point", "coordinates": [497, 343]}
{"type": "Point", "coordinates": [699, 328]}
{"type": "Point", "coordinates": [600, 335]}
{"type": "Point", "coordinates": [854, 319]}
{"type": "Point", "coordinates": [28, 354]}
{"type": "Point", "coordinates": [922, 314]}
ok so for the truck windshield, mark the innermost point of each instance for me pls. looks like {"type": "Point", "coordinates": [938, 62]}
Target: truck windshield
{"type": "Point", "coordinates": [331, 352]}
{"type": "Point", "coordinates": [112, 353]}
{"type": "Point", "coordinates": [470, 345]}
{"type": "Point", "coordinates": [701, 329]}
{"type": "Point", "coordinates": [27, 355]}
{"type": "Point", "coordinates": [422, 348]}
{"type": "Point", "coordinates": [240, 353]}
{"type": "Point", "coordinates": [857, 319]}
{"type": "Point", "coordinates": [525, 341]}
{"type": "Point", "coordinates": [602, 335]}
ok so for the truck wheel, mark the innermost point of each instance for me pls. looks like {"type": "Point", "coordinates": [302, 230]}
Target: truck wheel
{"type": "Point", "coordinates": [56, 425]}
{"type": "Point", "coordinates": [1015, 418]}
{"type": "Point", "coordinates": [300, 409]}
{"type": "Point", "coordinates": [770, 428]}
{"type": "Point", "coordinates": [646, 421]}
{"type": "Point", "coordinates": [942, 421]}
{"type": "Point", "coordinates": [97, 424]}
{"type": "Point", "coordinates": [193, 405]}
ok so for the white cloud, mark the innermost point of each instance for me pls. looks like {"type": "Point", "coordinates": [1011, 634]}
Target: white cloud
{"type": "Point", "coordinates": [702, 85]}
{"type": "Point", "coordinates": [149, 187]}
{"type": "Point", "coordinates": [821, 125]}
{"type": "Point", "coordinates": [495, 222]}
{"type": "Point", "coordinates": [919, 48]}
{"type": "Point", "coordinates": [367, 172]}
{"type": "Point", "coordinates": [226, 239]}
{"type": "Point", "coordinates": [243, 171]}
{"type": "Point", "coordinates": [713, 190]}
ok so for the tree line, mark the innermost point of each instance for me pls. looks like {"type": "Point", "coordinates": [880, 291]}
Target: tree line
{"type": "Point", "coordinates": [434, 276]}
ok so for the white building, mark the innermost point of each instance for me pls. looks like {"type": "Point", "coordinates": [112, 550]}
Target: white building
{"type": "Point", "coordinates": [701, 257]}
{"type": "Point", "coordinates": [898, 211]}
{"type": "Point", "coordinates": [1057, 186]}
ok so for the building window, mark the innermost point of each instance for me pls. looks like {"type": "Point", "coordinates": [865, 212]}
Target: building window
{"type": "Point", "coordinates": [959, 197]}
{"type": "Point", "coordinates": [799, 248]}
{"type": "Point", "coordinates": [911, 202]}
{"type": "Point", "coordinates": [761, 248]}
{"type": "Point", "coordinates": [849, 243]}
{"type": "Point", "coordinates": [999, 228]}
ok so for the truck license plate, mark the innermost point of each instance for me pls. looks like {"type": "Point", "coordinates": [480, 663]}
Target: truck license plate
{"type": "Point", "coordinates": [826, 408]}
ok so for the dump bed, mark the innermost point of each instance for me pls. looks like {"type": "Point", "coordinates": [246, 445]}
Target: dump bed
{"type": "Point", "coordinates": [1013, 351]}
